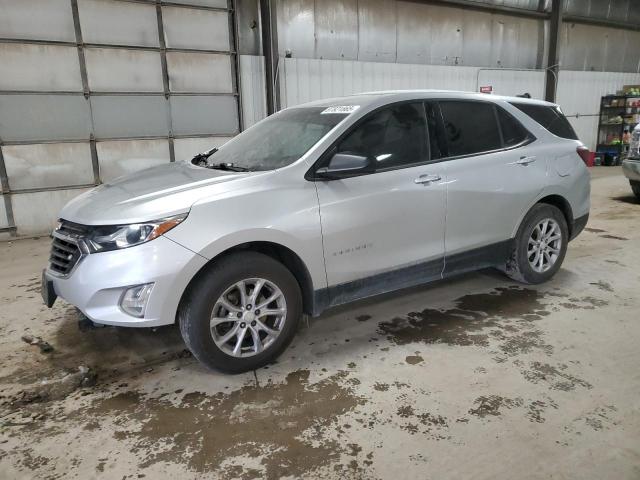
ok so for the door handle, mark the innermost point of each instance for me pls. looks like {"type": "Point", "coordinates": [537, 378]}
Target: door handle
{"type": "Point", "coordinates": [427, 179]}
{"type": "Point", "coordinates": [524, 161]}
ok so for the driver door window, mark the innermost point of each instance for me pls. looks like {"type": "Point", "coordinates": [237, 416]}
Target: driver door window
{"type": "Point", "coordinates": [394, 137]}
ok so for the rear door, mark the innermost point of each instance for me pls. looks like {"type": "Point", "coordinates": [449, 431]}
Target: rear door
{"type": "Point", "coordinates": [385, 230]}
{"type": "Point", "coordinates": [493, 176]}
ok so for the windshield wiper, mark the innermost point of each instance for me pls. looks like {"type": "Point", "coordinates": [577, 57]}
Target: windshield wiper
{"type": "Point", "coordinates": [201, 158]}
{"type": "Point", "coordinates": [227, 166]}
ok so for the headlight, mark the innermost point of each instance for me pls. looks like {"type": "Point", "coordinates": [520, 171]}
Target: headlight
{"type": "Point", "coordinates": [114, 237]}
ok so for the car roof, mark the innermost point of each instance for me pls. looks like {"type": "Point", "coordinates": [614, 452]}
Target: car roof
{"type": "Point", "coordinates": [383, 97]}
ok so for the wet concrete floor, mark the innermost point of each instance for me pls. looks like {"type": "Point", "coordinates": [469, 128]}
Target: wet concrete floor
{"type": "Point", "coordinates": [475, 377]}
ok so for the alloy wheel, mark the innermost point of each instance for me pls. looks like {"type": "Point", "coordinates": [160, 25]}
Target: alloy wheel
{"type": "Point", "coordinates": [545, 243]}
{"type": "Point", "coordinates": [248, 317]}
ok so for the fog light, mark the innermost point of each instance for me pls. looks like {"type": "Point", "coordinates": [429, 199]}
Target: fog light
{"type": "Point", "coordinates": [134, 300]}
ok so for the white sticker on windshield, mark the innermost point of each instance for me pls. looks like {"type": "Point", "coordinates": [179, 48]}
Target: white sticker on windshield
{"type": "Point", "coordinates": [343, 109]}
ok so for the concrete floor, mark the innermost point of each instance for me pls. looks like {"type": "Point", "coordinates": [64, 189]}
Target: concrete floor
{"type": "Point", "coordinates": [471, 378]}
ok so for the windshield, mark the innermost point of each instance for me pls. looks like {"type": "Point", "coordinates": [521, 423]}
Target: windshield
{"type": "Point", "coordinates": [278, 140]}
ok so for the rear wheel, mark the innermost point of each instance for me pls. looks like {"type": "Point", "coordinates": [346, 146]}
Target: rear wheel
{"type": "Point", "coordinates": [241, 313]}
{"type": "Point", "coordinates": [635, 186]}
{"type": "Point", "coordinates": [540, 245]}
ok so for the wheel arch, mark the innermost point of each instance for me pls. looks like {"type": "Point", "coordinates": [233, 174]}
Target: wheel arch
{"type": "Point", "coordinates": [558, 201]}
{"type": "Point", "coordinates": [278, 252]}
{"type": "Point", "coordinates": [563, 205]}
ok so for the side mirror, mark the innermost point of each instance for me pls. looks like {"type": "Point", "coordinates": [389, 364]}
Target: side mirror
{"type": "Point", "coordinates": [344, 165]}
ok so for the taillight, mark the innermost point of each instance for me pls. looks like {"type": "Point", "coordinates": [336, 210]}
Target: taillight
{"type": "Point", "coordinates": [585, 155]}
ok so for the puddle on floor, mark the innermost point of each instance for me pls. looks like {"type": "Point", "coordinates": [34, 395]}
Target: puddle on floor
{"type": "Point", "coordinates": [259, 421]}
{"type": "Point", "coordinates": [470, 321]}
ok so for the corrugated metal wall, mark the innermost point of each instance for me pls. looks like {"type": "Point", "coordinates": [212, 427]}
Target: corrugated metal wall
{"type": "Point", "coordinates": [342, 47]}
{"type": "Point", "coordinates": [252, 79]}
{"type": "Point", "coordinates": [617, 10]}
{"type": "Point", "coordinates": [407, 32]}
{"type": "Point", "coordinates": [602, 49]}
{"type": "Point", "coordinates": [93, 89]}
{"type": "Point", "coordinates": [303, 80]}
{"type": "Point", "coordinates": [422, 33]}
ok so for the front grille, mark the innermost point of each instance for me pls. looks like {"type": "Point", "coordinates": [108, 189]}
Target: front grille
{"type": "Point", "coordinates": [65, 252]}
{"type": "Point", "coordinates": [72, 229]}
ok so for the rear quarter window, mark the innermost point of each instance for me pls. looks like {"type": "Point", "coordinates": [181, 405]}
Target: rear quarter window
{"type": "Point", "coordinates": [550, 118]}
{"type": "Point", "coordinates": [513, 133]}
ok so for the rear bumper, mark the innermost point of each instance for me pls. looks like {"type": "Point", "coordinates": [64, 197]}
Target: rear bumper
{"type": "Point", "coordinates": [99, 281]}
{"type": "Point", "coordinates": [578, 225]}
{"type": "Point", "coordinates": [631, 169]}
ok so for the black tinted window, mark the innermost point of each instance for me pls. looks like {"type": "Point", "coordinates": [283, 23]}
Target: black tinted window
{"type": "Point", "coordinates": [394, 136]}
{"type": "Point", "coordinates": [513, 132]}
{"type": "Point", "coordinates": [437, 143]}
{"type": "Point", "coordinates": [470, 127]}
{"type": "Point", "coordinates": [550, 118]}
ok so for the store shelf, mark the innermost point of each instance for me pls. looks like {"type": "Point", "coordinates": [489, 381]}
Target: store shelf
{"type": "Point", "coordinates": [618, 124]}
{"type": "Point", "coordinates": [616, 108]}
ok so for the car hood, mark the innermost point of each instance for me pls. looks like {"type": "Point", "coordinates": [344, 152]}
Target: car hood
{"type": "Point", "coordinates": [150, 194]}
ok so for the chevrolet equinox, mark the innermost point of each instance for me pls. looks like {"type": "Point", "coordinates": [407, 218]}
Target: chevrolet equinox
{"type": "Point", "coordinates": [319, 205]}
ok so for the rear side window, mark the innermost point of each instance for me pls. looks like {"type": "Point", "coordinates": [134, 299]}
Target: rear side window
{"type": "Point", "coordinates": [513, 133]}
{"type": "Point", "coordinates": [470, 127]}
{"type": "Point", "coordinates": [550, 118]}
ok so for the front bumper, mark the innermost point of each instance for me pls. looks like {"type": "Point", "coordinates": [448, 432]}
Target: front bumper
{"type": "Point", "coordinates": [631, 169]}
{"type": "Point", "coordinates": [98, 281]}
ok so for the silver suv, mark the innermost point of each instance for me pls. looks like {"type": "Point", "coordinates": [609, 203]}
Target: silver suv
{"type": "Point", "coordinates": [631, 164]}
{"type": "Point", "coordinates": [320, 205]}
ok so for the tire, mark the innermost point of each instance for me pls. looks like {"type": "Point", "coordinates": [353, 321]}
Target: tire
{"type": "Point", "coordinates": [635, 186]}
{"type": "Point", "coordinates": [520, 267]}
{"type": "Point", "coordinates": [216, 287]}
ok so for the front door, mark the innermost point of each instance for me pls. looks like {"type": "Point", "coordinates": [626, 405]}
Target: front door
{"type": "Point", "coordinates": [385, 230]}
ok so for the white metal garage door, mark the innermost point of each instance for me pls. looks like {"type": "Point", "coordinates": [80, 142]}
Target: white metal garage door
{"type": "Point", "coordinates": [93, 89]}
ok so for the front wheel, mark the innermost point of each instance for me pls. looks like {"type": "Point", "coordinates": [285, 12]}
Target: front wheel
{"type": "Point", "coordinates": [540, 245]}
{"type": "Point", "coordinates": [635, 186]}
{"type": "Point", "coordinates": [241, 313]}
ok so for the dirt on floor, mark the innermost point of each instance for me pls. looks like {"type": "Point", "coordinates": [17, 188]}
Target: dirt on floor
{"type": "Point", "coordinates": [475, 377]}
